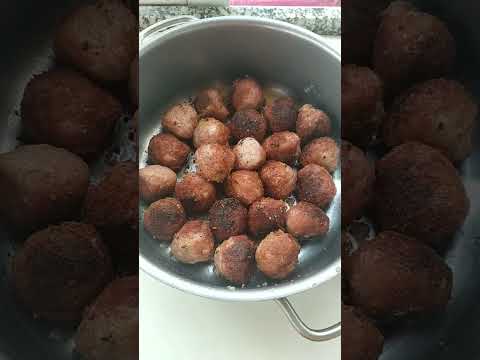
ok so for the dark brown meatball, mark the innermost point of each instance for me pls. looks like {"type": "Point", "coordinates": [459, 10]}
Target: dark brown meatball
{"type": "Point", "coordinates": [164, 218]}
{"type": "Point", "coordinates": [277, 254]}
{"type": "Point", "coordinates": [394, 275]}
{"type": "Point", "coordinates": [156, 182]}
{"type": "Point", "coordinates": [110, 326]}
{"type": "Point", "coordinates": [281, 114]}
{"type": "Point", "coordinates": [439, 113]}
{"type": "Point", "coordinates": [359, 336]}
{"type": "Point", "coordinates": [266, 215]}
{"type": "Point", "coordinates": [362, 104]}
{"type": "Point", "coordinates": [247, 94]}
{"type": "Point", "coordinates": [210, 131]}
{"type": "Point", "coordinates": [245, 186]}
{"type": "Point", "coordinates": [181, 120]}
{"type": "Point", "coordinates": [101, 39]}
{"type": "Point", "coordinates": [167, 150]}
{"type": "Point", "coordinates": [282, 146]}
{"type": "Point", "coordinates": [214, 161]}
{"type": "Point", "coordinates": [312, 123]}
{"type": "Point", "coordinates": [323, 151]}
{"type": "Point", "coordinates": [210, 103]}
{"type": "Point", "coordinates": [418, 192]}
{"type": "Point", "coordinates": [195, 193]}
{"type": "Point", "coordinates": [228, 217]}
{"type": "Point", "coordinates": [60, 270]}
{"type": "Point", "coordinates": [279, 179]}
{"type": "Point", "coordinates": [249, 154]}
{"type": "Point", "coordinates": [133, 82]}
{"type": "Point", "coordinates": [315, 185]}
{"type": "Point", "coordinates": [305, 220]}
{"type": "Point", "coordinates": [411, 46]}
{"type": "Point", "coordinates": [62, 108]}
{"type": "Point", "coordinates": [248, 123]}
{"type": "Point", "coordinates": [193, 243]}
{"type": "Point", "coordinates": [235, 259]}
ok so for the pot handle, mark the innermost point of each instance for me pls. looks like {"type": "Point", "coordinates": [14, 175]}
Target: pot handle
{"type": "Point", "coordinates": [326, 334]}
{"type": "Point", "coordinates": [164, 25]}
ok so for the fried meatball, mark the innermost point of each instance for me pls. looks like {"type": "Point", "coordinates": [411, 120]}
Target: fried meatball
{"type": "Point", "coordinates": [167, 150]}
{"type": "Point", "coordinates": [305, 220]}
{"type": "Point", "coordinates": [245, 186]}
{"type": "Point", "coordinates": [164, 218]}
{"type": "Point", "coordinates": [214, 161]}
{"type": "Point", "coordinates": [249, 154]}
{"type": "Point", "coordinates": [282, 146]}
{"type": "Point", "coordinates": [100, 39]}
{"type": "Point", "coordinates": [195, 193]}
{"type": "Point", "coordinates": [60, 270]}
{"type": "Point", "coordinates": [181, 120]}
{"type": "Point", "coordinates": [418, 192]}
{"type": "Point", "coordinates": [133, 82]}
{"type": "Point", "coordinates": [210, 131]}
{"type": "Point", "coordinates": [312, 123]}
{"type": "Point", "coordinates": [277, 254]}
{"type": "Point", "coordinates": [362, 104]}
{"type": "Point", "coordinates": [193, 243]}
{"type": "Point", "coordinates": [248, 123]}
{"type": "Point", "coordinates": [279, 179]}
{"type": "Point", "coordinates": [266, 215]}
{"type": "Point", "coordinates": [359, 336]}
{"type": "Point", "coordinates": [210, 103]}
{"type": "Point", "coordinates": [62, 108]}
{"type": "Point", "coordinates": [247, 94]}
{"type": "Point", "coordinates": [439, 113]}
{"type": "Point", "coordinates": [322, 151]}
{"type": "Point", "coordinates": [110, 326]}
{"type": "Point", "coordinates": [156, 182]}
{"type": "Point", "coordinates": [281, 114]}
{"type": "Point", "coordinates": [358, 177]}
{"type": "Point", "coordinates": [411, 46]}
{"type": "Point", "coordinates": [228, 217]}
{"type": "Point", "coordinates": [315, 185]}
{"type": "Point", "coordinates": [235, 259]}
{"type": "Point", "coordinates": [41, 185]}
{"type": "Point", "coordinates": [394, 275]}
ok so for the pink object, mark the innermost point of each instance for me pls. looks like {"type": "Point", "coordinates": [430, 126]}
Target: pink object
{"type": "Point", "coordinates": [310, 3]}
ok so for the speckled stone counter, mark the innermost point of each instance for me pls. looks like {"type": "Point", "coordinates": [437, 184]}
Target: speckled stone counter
{"type": "Point", "coordinates": [323, 21]}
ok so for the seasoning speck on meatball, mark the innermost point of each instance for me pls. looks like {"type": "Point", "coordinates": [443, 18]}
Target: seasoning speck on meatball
{"type": "Point", "coordinates": [193, 243]}
{"type": "Point", "coordinates": [214, 161]}
{"type": "Point", "coordinates": [279, 179]}
{"type": "Point", "coordinates": [305, 220]}
{"type": "Point", "coordinates": [323, 151]}
{"type": "Point", "coordinates": [248, 123]}
{"type": "Point", "coordinates": [266, 215]}
{"type": "Point", "coordinates": [164, 218]}
{"type": "Point", "coordinates": [167, 150]}
{"type": "Point", "coordinates": [282, 146]}
{"type": "Point", "coordinates": [195, 193]}
{"type": "Point", "coordinates": [245, 186]}
{"type": "Point", "coordinates": [235, 259]}
{"type": "Point", "coordinates": [228, 217]}
{"type": "Point", "coordinates": [281, 114]}
{"type": "Point", "coordinates": [315, 185]}
{"type": "Point", "coordinates": [247, 94]}
{"type": "Point", "coordinates": [181, 120]}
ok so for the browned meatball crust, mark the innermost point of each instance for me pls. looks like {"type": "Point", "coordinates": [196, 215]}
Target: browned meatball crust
{"type": "Point", "coordinates": [245, 186]}
{"type": "Point", "coordinates": [195, 193]}
{"type": "Point", "coordinates": [315, 185]}
{"type": "Point", "coordinates": [283, 146]}
{"type": "Point", "coordinates": [228, 217]}
{"type": "Point", "coordinates": [322, 151]}
{"type": "Point", "coordinates": [281, 114]}
{"type": "Point", "coordinates": [266, 215]}
{"type": "Point", "coordinates": [214, 161]}
{"type": "Point", "coordinates": [248, 123]}
{"type": "Point", "coordinates": [155, 182]}
{"type": "Point", "coordinates": [210, 131]}
{"type": "Point", "coordinates": [181, 120]}
{"type": "Point", "coordinates": [167, 150]}
{"type": "Point", "coordinates": [279, 179]}
{"type": "Point", "coordinates": [193, 243]}
{"type": "Point", "coordinates": [247, 94]}
{"type": "Point", "coordinates": [249, 154]}
{"type": "Point", "coordinates": [305, 220]}
{"type": "Point", "coordinates": [312, 123]}
{"type": "Point", "coordinates": [164, 218]}
{"type": "Point", "coordinates": [210, 103]}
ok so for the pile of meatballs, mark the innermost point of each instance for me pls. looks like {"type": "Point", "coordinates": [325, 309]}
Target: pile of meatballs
{"type": "Point", "coordinates": [76, 263]}
{"type": "Point", "coordinates": [400, 106]}
{"type": "Point", "coordinates": [250, 154]}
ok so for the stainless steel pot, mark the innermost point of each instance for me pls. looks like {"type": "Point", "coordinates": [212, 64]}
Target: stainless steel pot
{"type": "Point", "coordinates": [179, 56]}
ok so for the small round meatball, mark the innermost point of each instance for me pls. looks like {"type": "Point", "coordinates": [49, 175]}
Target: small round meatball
{"type": "Point", "coordinates": [247, 94]}
{"type": "Point", "coordinates": [195, 193]}
{"type": "Point", "coordinates": [210, 131]}
{"type": "Point", "coordinates": [133, 82]}
{"type": "Point", "coordinates": [323, 151]}
{"type": "Point", "coordinates": [281, 114]}
{"type": "Point", "coordinates": [439, 113]}
{"type": "Point", "coordinates": [245, 186]}
{"type": "Point", "coordinates": [305, 220]}
{"type": "Point", "coordinates": [210, 103]}
{"type": "Point", "coordinates": [282, 146]}
{"type": "Point", "coordinates": [315, 185]}
{"type": "Point", "coordinates": [279, 179]}
{"type": "Point", "coordinates": [156, 182]}
{"type": "Point", "coordinates": [193, 243]}
{"type": "Point", "coordinates": [235, 259]}
{"type": "Point", "coordinates": [181, 120]}
{"type": "Point", "coordinates": [164, 218]}
{"type": "Point", "coordinates": [248, 123]}
{"type": "Point", "coordinates": [362, 104]}
{"type": "Point", "coordinates": [411, 46]}
{"type": "Point", "coordinates": [266, 215]}
{"type": "Point", "coordinates": [277, 254]}
{"type": "Point", "coordinates": [214, 161]}
{"type": "Point", "coordinates": [249, 154]}
{"type": "Point", "coordinates": [312, 123]}
{"type": "Point", "coordinates": [228, 217]}
{"type": "Point", "coordinates": [167, 150]}
{"type": "Point", "coordinates": [60, 270]}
